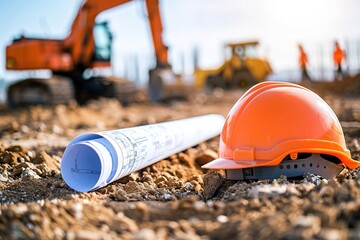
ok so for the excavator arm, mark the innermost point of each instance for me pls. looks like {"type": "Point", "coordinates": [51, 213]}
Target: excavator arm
{"type": "Point", "coordinates": [163, 82]}
{"type": "Point", "coordinates": [161, 50]}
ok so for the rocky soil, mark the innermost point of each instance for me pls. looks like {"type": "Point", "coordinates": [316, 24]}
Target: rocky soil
{"type": "Point", "coordinates": [172, 199]}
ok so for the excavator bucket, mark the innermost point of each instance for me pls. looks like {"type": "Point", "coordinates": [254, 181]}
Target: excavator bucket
{"type": "Point", "coordinates": [165, 85]}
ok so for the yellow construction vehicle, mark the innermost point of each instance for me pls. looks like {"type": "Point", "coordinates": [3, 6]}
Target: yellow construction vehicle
{"type": "Point", "coordinates": [243, 68]}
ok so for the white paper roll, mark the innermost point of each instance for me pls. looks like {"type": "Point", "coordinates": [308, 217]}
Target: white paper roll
{"type": "Point", "coordinates": [93, 160]}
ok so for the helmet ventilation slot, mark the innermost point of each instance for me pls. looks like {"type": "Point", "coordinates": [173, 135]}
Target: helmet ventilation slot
{"type": "Point", "coordinates": [326, 157]}
{"type": "Point", "coordinates": [330, 158]}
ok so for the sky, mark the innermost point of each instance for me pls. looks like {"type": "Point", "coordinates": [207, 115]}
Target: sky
{"type": "Point", "coordinates": [279, 25]}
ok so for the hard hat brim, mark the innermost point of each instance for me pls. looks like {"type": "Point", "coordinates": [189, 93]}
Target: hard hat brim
{"type": "Point", "coordinates": [260, 157]}
{"type": "Point", "coordinates": [222, 163]}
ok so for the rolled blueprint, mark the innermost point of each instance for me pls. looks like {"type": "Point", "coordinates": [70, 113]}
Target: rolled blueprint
{"type": "Point", "coordinates": [93, 160]}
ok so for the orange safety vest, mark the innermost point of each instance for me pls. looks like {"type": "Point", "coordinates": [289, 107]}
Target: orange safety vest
{"type": "Point", "coordinates": [303, 59]}
{"type": "Point", "coordinates": [338, 55]}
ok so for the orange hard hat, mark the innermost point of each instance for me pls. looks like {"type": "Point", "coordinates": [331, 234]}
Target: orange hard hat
{"type": "Point", "coordinates": [276, 122]}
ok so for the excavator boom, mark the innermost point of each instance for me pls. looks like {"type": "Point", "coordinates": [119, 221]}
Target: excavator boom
{"type": "Point", "coordinates": [161, 50]}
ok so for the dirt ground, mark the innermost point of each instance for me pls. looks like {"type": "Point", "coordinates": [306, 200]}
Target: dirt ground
{"type": "Point", "coordinates": [172, 199]}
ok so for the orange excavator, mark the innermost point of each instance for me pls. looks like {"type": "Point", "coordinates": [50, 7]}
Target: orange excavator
{"type": "Point", "coordinates": [87, 47]}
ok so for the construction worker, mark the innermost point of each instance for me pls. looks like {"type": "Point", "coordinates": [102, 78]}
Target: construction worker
{"type": "Point", "coordinates": [303, 61]}
{"type": "Point", "coordinates": [339, 56]}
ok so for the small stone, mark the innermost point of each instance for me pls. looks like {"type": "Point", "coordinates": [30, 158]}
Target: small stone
{"type": "Point", "coordinates": [146, 178]}
{"type": "Point", "coordinates": [173, 225]}
{"type": "Point", "coordinates": [188, 186]}
{"type": "Point", "coordinates": [25, 165]}
{"type": "Point", "coordinates": [122, 223]}
{"type": "Point", "coordinates": [212, 181]}
{"type": "Point", "coordinates": [15, 148]}
{"type": "Point", "coordinates": [266, 191]}
{"type": "Point", "coordinates": [197, 186]}
{"type": "Point", "coordinates": [13, 126]}
{"type": "Point", "coordinates": [17, 171]}
{"type": "Point", "coordinates": [198, 179]}
{"type": "Point", "coordinates": [166, 197]}
{"type": "Point", "coordinates": [222, 218]}
{"type": "Point", "coordinates": [311, 222]}
{"type": "Point", "coordinates": [140, 206]}
{"type": "Point", "coordinates": [9, 157]}
{"type": "Point", "coordinates": [161, 179]}
{"type": "Point", "coordinates": [121, 195]}
{"type": "Point", "coordinates": [324, 182]}
{"type": "Point", "coordinates": [218, 92]}
{"type": "Point", "coordinates": [186, 202]}
{"type": "Point", "coordinates": [70, 235]}
{"type": "Point", "coordinates": [334, 234]}
{"type": "Point", "coordinates": [186, 159]}
{"type": "Point", "coordinates": [30, 174]}
{"type": "Point", "coordinates": [131, 177]}
{"type": "Point", "coordinates": [205, 157]}
{"type": "Point", "coordinates": [145, 234]}
{"type": "Point", "coordinates": [89, 235]}
{"type": "Point", "coordinates": [45, 158]}
{"type": "Point", "coordinates": [42, 170]}
{"type": "Point", "coordinates": [59, 233]}
{"type": "Point", "coordinates": [30, 154]}
{"type": "Point", "coordinates": [19, 230]}
{"type": "Point", "coordinates": [41, 158]}
{"type": "Point", "coordinates": [282, 180]}
{"type": "Point", "coordinates": [175, 182]}
{"type": "Point", "coordinates": [356, 144]}
{"type": "Point", "coordinates": [41, 126]}
{"type": "Point", "coordinates": [5, 166]}
{"type": "Point", "coordinates": [132, 187]}
{"type": "Point", "coordinates": [24, 129]}
{"type": "Point", "coordinates": [199, 206]}
{"type": "Point", "coordinates": [57, 129]}
{"type": "Point", "coordinates": [4, 176]}
{"type": "Point", "coordinates": [312, 178]}
{"type": "Point", "coordinates": [20, 209]}
{"type": "Point", "coordinates": [77, 210]}
{"type": "Point", "coordinates": [39, 172]}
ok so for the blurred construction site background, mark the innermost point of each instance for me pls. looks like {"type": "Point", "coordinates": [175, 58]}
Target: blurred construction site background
{"type": "Point", "coordinates": [196, 32]}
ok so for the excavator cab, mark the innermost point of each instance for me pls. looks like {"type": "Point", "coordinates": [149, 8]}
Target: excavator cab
{"type": "Point", "coordinates": [103, 42]}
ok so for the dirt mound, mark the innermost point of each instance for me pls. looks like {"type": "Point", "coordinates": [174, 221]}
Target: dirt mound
{"type": "Point", "coordinates": [349, 87]}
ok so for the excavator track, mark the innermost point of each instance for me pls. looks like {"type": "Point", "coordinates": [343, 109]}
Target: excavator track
{"type": "Point", "coordinates": [109, 87]}
{"type": "Point", "coordinates": [123, 90]}
{"type": "Point", "coordinates": [59, 89]}
{"type": "Point", "coordinates": [38, 91]}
